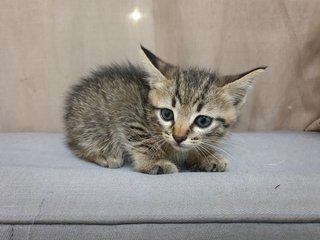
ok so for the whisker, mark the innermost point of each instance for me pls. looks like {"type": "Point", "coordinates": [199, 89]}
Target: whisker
{"type": "Point", "coordinates": [215, 147]}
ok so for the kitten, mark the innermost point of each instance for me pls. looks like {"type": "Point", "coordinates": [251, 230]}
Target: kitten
{"type": "Point", "coordinates": [159, 115]}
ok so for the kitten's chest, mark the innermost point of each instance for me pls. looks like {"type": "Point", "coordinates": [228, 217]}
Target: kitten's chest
{"type": "Point", "coordinates": [179, 157]}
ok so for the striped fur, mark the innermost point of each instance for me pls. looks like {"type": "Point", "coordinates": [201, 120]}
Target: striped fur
{"type": "Point", "coordinates": [115, 114]}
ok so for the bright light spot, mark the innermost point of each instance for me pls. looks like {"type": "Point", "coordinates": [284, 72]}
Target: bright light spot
{"type": "Point", "coordinates": [135, 15]}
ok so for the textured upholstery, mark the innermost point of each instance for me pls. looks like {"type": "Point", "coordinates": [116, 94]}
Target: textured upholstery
{"type": "Point", "coordinates": [271, 190]}
{"type": "Point", "coordinates": [203, 231]}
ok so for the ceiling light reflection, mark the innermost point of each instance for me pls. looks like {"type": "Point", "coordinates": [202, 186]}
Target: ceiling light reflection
{"type": "Point", "coordinates": [136, 15]}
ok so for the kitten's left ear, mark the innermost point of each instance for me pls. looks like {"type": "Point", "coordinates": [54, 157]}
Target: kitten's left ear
{"type": "Point", "coordinates": [236, 87]}
{"type": "Point", "coordinates": [159, 70]}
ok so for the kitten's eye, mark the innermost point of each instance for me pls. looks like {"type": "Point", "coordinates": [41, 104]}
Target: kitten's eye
{"type": "Point", "coordinates": [203, 121]}
{"type": "Point", "coordinates": [166, 114]}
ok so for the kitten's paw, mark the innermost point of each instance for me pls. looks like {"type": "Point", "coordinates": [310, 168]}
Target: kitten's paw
{"type": "Point", "coordinates": [163, 167]}
{"type": "Point", "coordinates": [109, 162]}
{"type": "Point", "coordinates": [222, 165]}
{"type": "Point", "coordinates": [212, 164]}
{"type": "Point", "coordinates": [155, 167]}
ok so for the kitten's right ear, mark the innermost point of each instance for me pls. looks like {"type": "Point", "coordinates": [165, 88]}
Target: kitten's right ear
{"type": "Point", "coordinates": [159, 70]}
{"type": "Point", "coordinates": [236, 87]}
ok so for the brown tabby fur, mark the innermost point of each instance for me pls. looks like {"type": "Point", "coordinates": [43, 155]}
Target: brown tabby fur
{"type": "Point", "coordinates": [115, 114]}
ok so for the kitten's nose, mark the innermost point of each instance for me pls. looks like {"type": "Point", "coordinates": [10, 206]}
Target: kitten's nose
{"type": "Point", "coordinates": [179, 139]}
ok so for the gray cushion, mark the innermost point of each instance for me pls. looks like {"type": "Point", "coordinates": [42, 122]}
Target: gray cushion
{"type": "Point", "coordinates": [273, 178]}
{"type": "Point", "coordinates": [172, 231]}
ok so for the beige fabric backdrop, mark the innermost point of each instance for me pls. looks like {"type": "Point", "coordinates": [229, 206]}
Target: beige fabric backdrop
{"type": "Point", "coordinates": [46, 45]}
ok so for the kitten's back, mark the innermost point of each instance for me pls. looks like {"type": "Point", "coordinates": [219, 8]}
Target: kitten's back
{"type": "Point", "coordinates": [105, 87]}
{"type": "Point", "coordinates": [102, 103]}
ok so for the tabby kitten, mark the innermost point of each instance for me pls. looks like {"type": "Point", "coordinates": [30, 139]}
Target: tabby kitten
{"type": "Point", "coordinates": [158, 115]}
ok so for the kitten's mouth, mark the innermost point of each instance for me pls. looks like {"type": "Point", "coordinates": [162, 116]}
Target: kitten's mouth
{"type": "Point", "coordinates": [180, 147]}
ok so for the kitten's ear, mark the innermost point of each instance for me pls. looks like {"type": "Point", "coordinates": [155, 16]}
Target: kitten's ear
{"type": "Point", "coordinates": [159, 70]}
{"type": "Point", "coordinates": [236, 87]}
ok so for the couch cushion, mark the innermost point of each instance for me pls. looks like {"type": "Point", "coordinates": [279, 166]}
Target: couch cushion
{"type": "Point", "coordinates": [273, 178]}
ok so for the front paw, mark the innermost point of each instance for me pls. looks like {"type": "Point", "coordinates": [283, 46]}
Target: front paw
{"type": "Point", "coordinates": [210, 164]}
{"type": "Point", "coordinates": [163, 167]}
{"type": "Point", "coordinates": [155, 167]}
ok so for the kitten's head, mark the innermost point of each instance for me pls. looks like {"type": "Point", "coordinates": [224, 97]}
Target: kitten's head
{"type": "Point", "coordinates": [194, 107]}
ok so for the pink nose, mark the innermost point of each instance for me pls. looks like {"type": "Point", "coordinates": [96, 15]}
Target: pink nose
{"type": "Point", "coordinates": [179, 139]}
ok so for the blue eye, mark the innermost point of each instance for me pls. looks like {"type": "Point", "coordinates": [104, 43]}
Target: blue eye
{"type": "Point", "coordinates": [203, 121]}
{"type": "Point", "coordinates": [166, 114]}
